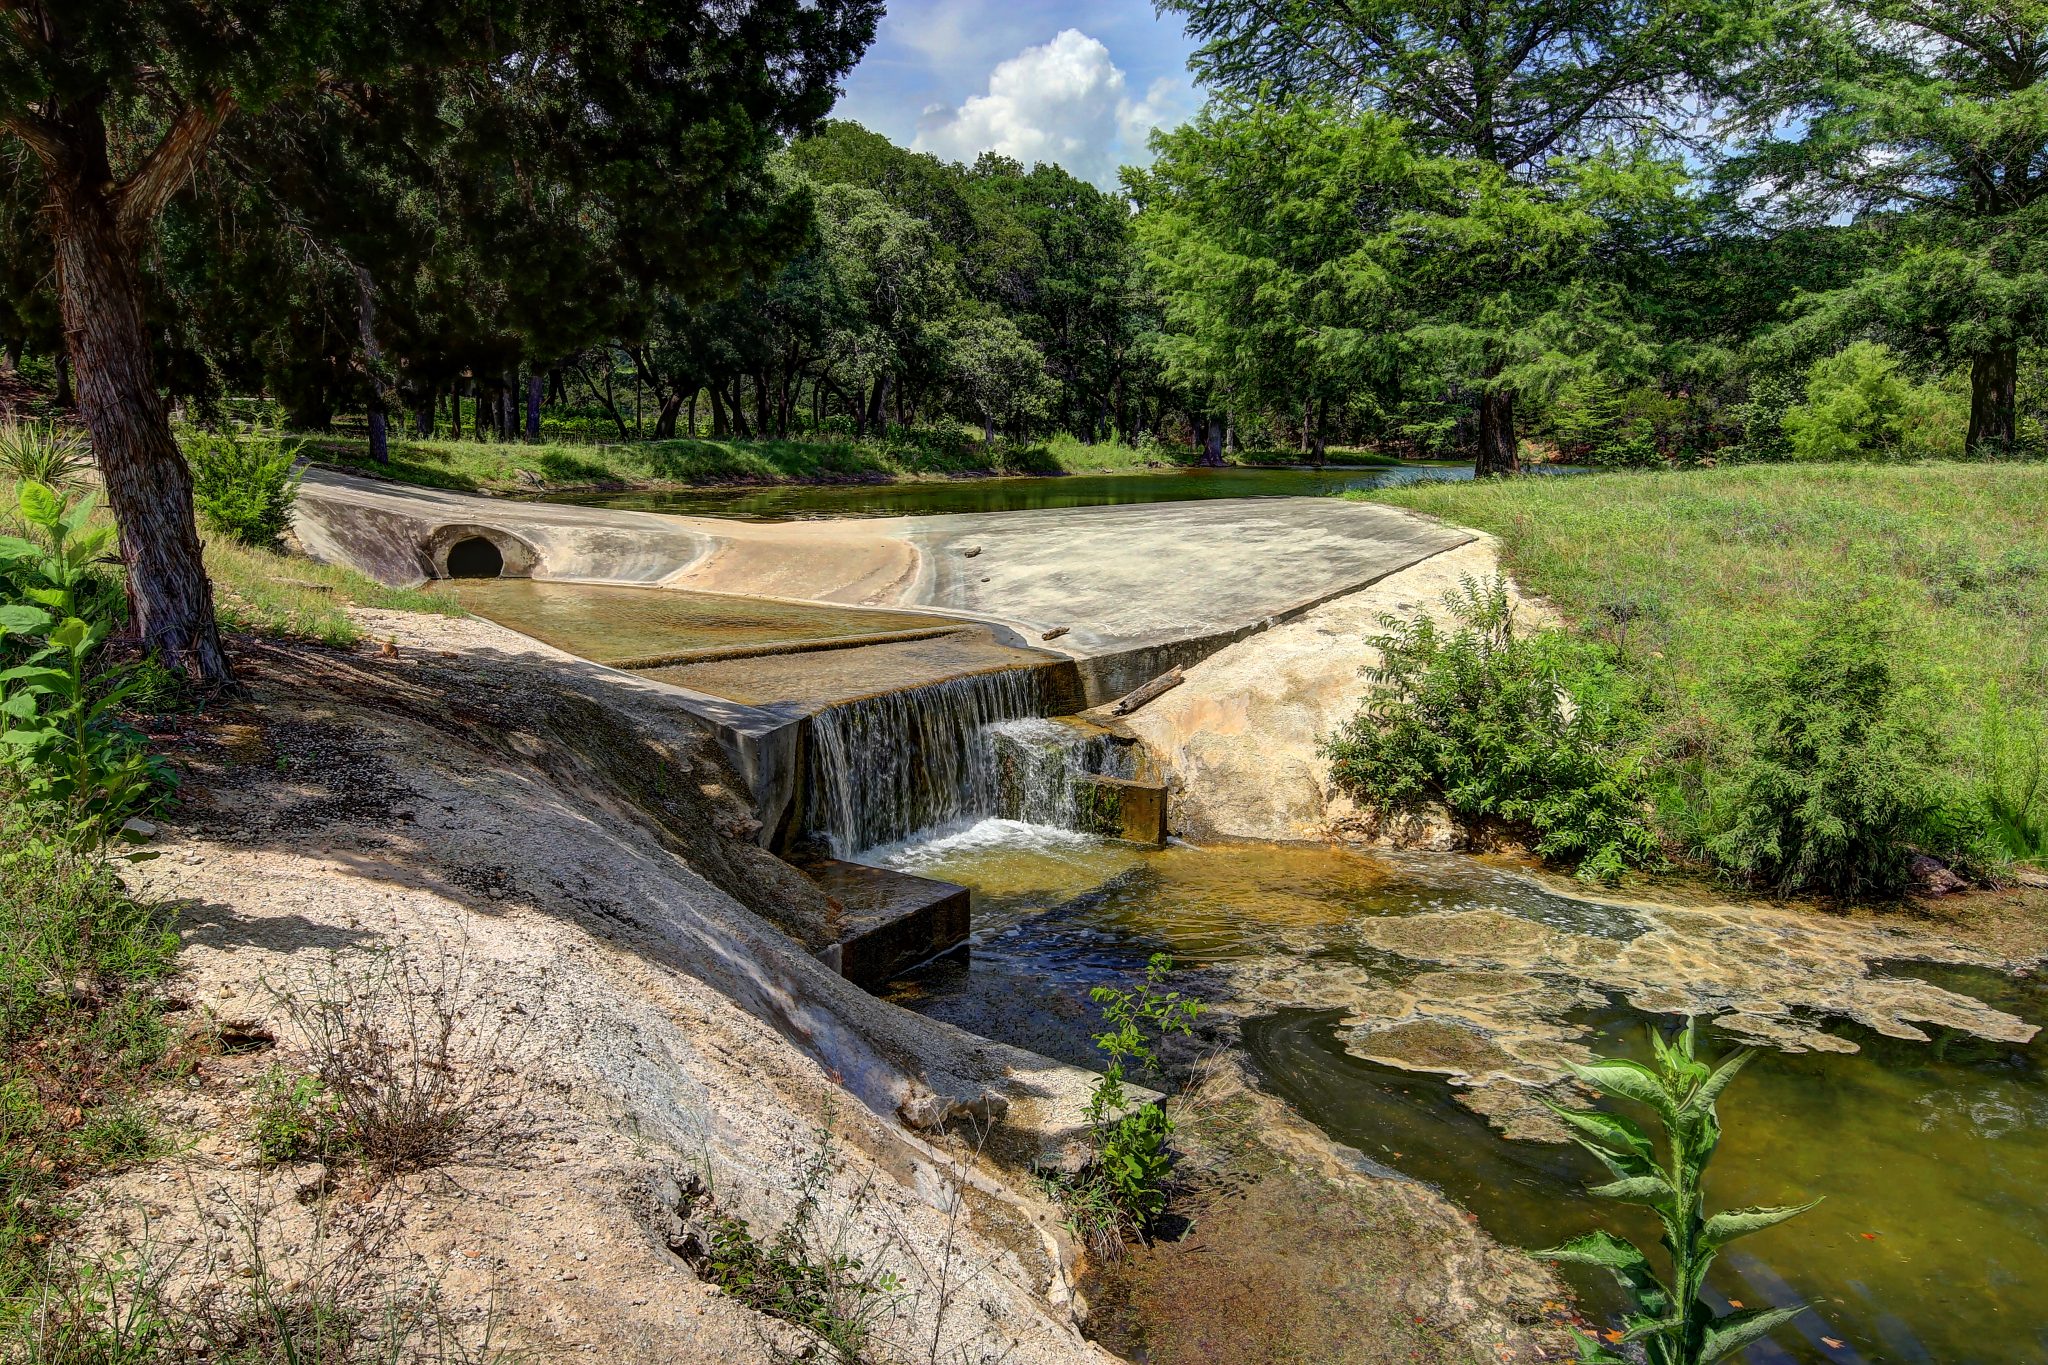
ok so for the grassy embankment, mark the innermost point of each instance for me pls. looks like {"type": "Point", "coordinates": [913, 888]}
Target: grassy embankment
{"type": "Point", "coordinates": [499, 467]}
{"type": "Point", "coordinates": [1694, 576]}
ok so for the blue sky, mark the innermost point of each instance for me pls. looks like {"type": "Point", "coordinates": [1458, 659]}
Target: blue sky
{"type": "Point", "coordinates": [1041, 80]}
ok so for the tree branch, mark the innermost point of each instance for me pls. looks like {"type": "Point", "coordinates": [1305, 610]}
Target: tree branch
{"type": "Point", "coordinates": [143, 195]}
{"type": "Point", "coordinates": [37, 134]}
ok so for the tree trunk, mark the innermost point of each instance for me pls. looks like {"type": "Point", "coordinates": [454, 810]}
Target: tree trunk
{"type": "Point", "coordinates": [691, 418]}
{"type": "Point", "coordinates": [878, 410]}
{"type": "Point", "coordinates": [665, 420]}
{"type": "Point", "coordinates": [149, 488]}
{"type": "Point", "coordinates": [455, 411]}
{"type": "Point", "coordinates": [65, 398]}
{"type": "Point", "coordinates": [373, 367]}
{"type": "Point", "coordinates": [534, 383]}
{"type": "Point", "coordinates": [1212, 449]}
{"type": "Point", "coordinates": [1994, 403]}
{"type": "Point", "coordinates": [738, 400]}
{"type": "Point", "coordinates": [988, 429]}
{"type": "Point", "coordinates": [720, 429]}
{"type": "Point", "coordinates": [1497, 448]}
{"type": "Point", "coordinates": [1319, 449]}
{"type": "Point", "coordinates": [423, 416]}
{"type": "Point", "coordinates": [12, 359]}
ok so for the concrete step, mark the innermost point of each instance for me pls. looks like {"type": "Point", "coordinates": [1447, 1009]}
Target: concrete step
{"type": "Point", "coordinates": [890, 921]}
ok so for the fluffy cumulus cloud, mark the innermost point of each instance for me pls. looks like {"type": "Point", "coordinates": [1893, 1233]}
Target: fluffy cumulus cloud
{"type": "Point", "coordinates": [1064, 101]}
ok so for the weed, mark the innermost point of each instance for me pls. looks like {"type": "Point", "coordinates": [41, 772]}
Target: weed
{"type": "Point", "coordinates": [291, 1119]}
{"type": "Point", "coordinates": [1122, 1190]}
{"type": "Point", "coordinates": [1672, 1322]}
{"type": "Point", "coordinates": [802, 1275]}
{"type": "Point", "coordinates": [2013, 778]}
{"type": "Point", "coordinates": [409, 1078]}
{"type": "Point", "coordinates": [43, 452]}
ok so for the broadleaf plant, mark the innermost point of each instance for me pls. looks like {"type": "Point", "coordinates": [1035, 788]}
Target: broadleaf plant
{"type": "Point", "coordinates": [1672, 1321]}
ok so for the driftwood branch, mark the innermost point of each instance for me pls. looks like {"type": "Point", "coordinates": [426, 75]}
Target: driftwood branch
{"type": "Point", "coordinates": [1158, 687]}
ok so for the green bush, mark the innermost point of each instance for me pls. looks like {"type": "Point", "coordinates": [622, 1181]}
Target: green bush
{"type": "Point", "coordinates": [2012, 776]}
{"type": "Point", "coordinates": [243, 486]}
{"type": "Point", "coordinates": [1861, 406]}
{"type": "Point", "coordinates": [1836, 776]}
{"type": "Point", "coordinates": [1481, 720]}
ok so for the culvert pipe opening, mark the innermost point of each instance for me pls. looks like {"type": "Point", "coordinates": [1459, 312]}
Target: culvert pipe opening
{"type": "Point", "coordinates": [475, 557]}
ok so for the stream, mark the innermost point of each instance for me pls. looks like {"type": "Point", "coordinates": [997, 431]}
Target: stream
{"type": "Point", "coordinates": [1930, 1154]}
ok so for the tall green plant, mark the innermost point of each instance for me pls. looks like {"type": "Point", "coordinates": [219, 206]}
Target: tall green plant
{"type": "Point", "coordinates": [42, 452]}
{"type": "Point", "coordinates": [59, 730]}
{"type": "Point", "coordinates": [1673, 1323]}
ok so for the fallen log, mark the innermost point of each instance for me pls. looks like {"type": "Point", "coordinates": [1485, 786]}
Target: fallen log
{"type": "Point", "coordinates": [1158, 687]}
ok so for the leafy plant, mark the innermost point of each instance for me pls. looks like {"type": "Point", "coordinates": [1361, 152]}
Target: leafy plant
{"type": "Point", "coordinates": [1835, 781]}
{"type": "Point", "coordinates": [59, 727]}
{"type": "Point", "coordinates": [1479, 719]}
{"type": "Point", "coordinates": [42, 452]}
{"type": "Point", "coordinates": [1673, 1323]}
{"type": "Point", "coordinates": [1861, 406]}
{"type": "Point", "coordinates": [292, 1119]}
{"type": "Point", "coordinates": [1123, 1189]}
{"type": "Point", "coordinates": [244, 486]}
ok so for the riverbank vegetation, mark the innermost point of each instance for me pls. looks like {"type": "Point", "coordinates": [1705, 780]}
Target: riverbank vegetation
{"type": "Point", "coordinates": [1804, 672]}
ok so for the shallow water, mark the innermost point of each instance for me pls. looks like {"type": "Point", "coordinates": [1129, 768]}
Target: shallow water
{"type": "Point", "coordinates": [611, 624]}
{"type": "Point", "coordinates": [805, 502]}
{"type": "Point", "coordinates": [1930, 1155]}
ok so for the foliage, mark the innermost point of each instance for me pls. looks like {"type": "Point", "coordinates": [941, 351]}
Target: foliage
{"type": "Point", "coordinates": [1702, 585]}
{"type": "Point", "coordinates": [81, 1027]}
{"type": "Point", "coordinates": [290, 1119]}
{"type": "Point", "coordinates": [2012, 772]}
{"type": "Point", "coordinates": [1860, 406]}
{"type": "Point", "coordinates": [60, 731]}
{"type": "Point", "coordinates": [1481, 719]}
{"type": "Point", "coordinates": [1673, 1322]}
{"type": "Point", "coordinates": [1122, 1191]}
{"type": "Point", "coordinates": [244, 486]}
{"type": "Point", "coordinates": [801, 1276]}
{"type": "Point", "coordinates": [42, 452]}
{"type": "Point", "coordinates": [1834, 782]}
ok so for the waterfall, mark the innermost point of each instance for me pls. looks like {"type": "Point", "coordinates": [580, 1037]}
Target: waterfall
{"type": "Point", "coordinates": [1040, 762]}
{"type": "Point", "coordinates": [884, 767]}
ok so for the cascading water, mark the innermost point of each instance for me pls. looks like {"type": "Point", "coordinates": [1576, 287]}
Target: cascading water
{"type": "Point", "coordinates": [887, 766]}
{"type": "Point", "coordinates": [1040, 763]}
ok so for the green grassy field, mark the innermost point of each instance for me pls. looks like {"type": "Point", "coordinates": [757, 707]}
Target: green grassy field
{"type": "Point", "coordinates": [511, 467]}
{"type": "Point", "coordinates": [1693, 575]}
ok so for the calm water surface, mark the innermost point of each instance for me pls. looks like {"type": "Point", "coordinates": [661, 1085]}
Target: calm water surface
{"type": "Point", "coordinates": [1930, 1246]}
{"type": "Point", "coordinates": [805, 502]}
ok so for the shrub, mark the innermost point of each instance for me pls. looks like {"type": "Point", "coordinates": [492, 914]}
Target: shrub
{"type": "Point", "coordinates": [1673, 1322]}
{"type": "Point", "coordinates": [1480, 720]}
{"type": "Point", "coordinates": [243, 486]}
{"type": "Point", "coordinates": [42, 452]}
{"type": "Point", "coordinates": [1836, 774]}
{"type": "Point", "coordinates": [1861, 406]}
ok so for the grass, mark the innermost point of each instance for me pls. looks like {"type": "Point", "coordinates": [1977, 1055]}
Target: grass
{"type": "Point", "coordinates": [81, 1031]}
{"type": "Point", "coordinates": [1693, 575]}
{"type": "Point", "coordinates": [272, 593]}
{"type": "Point", "coordinates": [500, 467]}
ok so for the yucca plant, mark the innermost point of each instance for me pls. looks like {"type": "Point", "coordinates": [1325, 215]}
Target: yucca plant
{"type": "Point", "coordinates": [42, 452]}
{"type": "Point", "coordinates": [1674, 1325]}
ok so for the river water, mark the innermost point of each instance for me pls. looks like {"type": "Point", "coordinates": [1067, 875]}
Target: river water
{"type": "Point", "coordinates": [930, 497]}
{"type": "Point", "coordinates": [1931, 1155]}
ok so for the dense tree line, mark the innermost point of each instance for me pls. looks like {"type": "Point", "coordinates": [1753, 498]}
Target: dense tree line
{"type": "Point", "coordinates": [1624, 231]}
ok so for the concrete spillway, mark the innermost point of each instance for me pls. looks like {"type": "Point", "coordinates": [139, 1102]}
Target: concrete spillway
{"type": "Point", "coordinates": [811, 647]}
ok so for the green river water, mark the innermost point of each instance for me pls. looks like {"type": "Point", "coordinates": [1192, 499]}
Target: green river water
{"type": "Point", "coordinates": [1929, 1246]}
{"type": "Point", "coordinates": [929, 497]}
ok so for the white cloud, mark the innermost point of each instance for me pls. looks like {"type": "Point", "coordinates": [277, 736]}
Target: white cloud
{"type": "Point", "coordinates": [1064, 101]}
